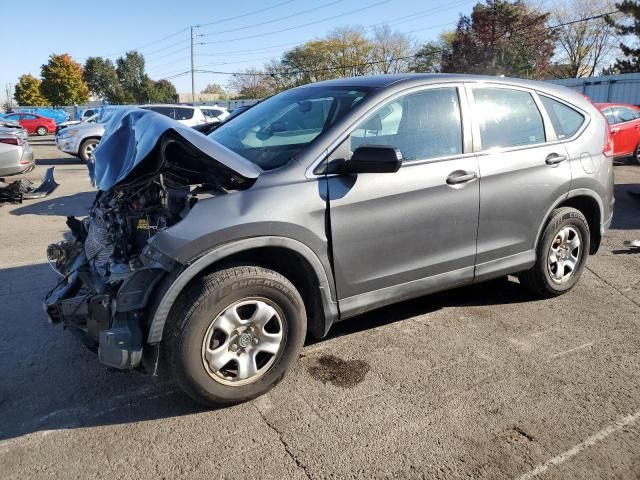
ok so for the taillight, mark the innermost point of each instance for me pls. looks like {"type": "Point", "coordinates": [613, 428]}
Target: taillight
{"type": "Point", "coordinates": [12, 141]}
{"type": "Point", "coordinates": [607, 150]}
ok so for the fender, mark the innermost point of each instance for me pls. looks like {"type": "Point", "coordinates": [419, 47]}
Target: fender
{"type": "Point", "coordinates": [168, 298]}
{"type": "Point", "coordinates": [578, 192]}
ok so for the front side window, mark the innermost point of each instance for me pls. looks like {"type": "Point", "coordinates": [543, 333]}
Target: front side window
{"type": "Point", "coordinates": [565, 120]}
{"type": "Point", "coordinates": [14, 117]}
{"type": "Point", "coordinates": [421, 125]}
{"type": "Point", "coordinates": [507, 118]}
{"type": "Point", "coordinates": [277, 129]}
{"type": "Point", "coordinates": [625, 114]}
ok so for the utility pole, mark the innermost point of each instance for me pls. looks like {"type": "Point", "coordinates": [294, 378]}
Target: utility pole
{"type": "Point", "coordinates": [193, 78]}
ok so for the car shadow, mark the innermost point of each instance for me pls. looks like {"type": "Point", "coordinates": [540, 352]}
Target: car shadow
{"type": "Point", "coordinates": [76, 205]}
{"type": "Point", "coordinates": [59, 161]}
{"type": "Point", "coordinates": [501, 291]}
{"type": "Point", "coordinates": [52, 382]}
{"type": "Point", "coordinates": [627, 210]}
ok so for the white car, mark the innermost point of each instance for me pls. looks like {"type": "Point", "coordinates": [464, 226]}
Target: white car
{"type": "Point", "coordinates": [185, 114]}
{"type": "Point", "coordinates": [215, 114]}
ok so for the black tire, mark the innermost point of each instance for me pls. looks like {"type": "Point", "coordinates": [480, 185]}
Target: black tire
{"type": "Point", "coordinates": [539, 278]}
{"type": "Point", "coordinates": [635, 158]}
{"type": "Point", "coordinates": [196, 309]}
{"type": "Point", "coordinates": [41, 131]}
{"type": "Point", "coordinates": [85, 146]}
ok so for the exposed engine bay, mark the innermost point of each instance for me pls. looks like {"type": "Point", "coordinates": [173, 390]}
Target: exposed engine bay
{"type": "Point", "coordinates": [108, 271]}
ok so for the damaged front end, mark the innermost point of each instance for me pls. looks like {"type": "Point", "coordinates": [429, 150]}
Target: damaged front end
{"type": "Point", "coordinates": [151, 172]}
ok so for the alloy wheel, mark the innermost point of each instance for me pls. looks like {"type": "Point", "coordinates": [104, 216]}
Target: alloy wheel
{"type": "Point", "coordinates": [243, 342]}
{"type": "Point", "coordinates": [564, 254]}
{"type": "Point", "coordinates": [89, 148]}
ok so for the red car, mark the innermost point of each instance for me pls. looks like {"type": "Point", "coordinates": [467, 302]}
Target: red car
{"type": "Point", "coordinates": [33, 123]}
{"type": "Point", "coordinates": [625, 128]}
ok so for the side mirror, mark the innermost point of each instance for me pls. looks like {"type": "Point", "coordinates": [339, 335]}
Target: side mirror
{"type": "Point", "coordinates": [374, 159]}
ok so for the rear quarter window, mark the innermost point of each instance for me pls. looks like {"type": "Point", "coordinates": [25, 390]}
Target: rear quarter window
{"type": "Point", "coordinates": [184, 113]}
{"type": "Point", "coordinates": [565, 120]}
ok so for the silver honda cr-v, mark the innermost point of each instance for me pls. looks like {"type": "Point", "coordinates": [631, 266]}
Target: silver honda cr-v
{"type": "Point", "coordinates": [210, 258]}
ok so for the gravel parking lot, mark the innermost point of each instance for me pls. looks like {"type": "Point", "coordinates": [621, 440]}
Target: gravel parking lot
{"type": "Point", "coordinates": [479, 382]}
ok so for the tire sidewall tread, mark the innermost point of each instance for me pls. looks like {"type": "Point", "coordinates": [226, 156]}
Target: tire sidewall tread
{"type": "Point", "coordinates": [537, 279]}
{"type": "Point", "coordinates": [201, 301]}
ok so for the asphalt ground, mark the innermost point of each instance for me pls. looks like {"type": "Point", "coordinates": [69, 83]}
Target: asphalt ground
{"type": "Point", "coordinates": [479, 382]}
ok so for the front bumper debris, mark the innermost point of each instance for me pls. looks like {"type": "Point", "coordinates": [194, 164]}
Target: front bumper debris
{"type": "Point", "coordinates": [19, 190]}
{"type": "Point", "coordinates": [109, 321]}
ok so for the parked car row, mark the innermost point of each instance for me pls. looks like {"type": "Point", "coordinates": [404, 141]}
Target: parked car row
{"type": "Point", "coordinates": [81, 138]}
{"type": "Point", "coordinates": [33, 123]}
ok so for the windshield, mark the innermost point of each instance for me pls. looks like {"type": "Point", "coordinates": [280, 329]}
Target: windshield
{"type": "Point", "coordinates": [274, 131]}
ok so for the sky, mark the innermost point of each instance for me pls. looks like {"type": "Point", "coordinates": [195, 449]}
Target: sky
{"type": "Point", "coordinates": [232, 35]}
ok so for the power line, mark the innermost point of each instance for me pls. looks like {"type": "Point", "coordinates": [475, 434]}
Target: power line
{"type": "Point", "coordinates": [375, 62]}
{"type": "Point", "coordinates": [148, 44]}
{"type": "Point", "coordinates": [420, 14]}
{"type": "Point", "coordinates": [272, 21]}
{"type": "Point", "coordinates": [228, 19]}
{"type": "Point", "coordinates": [298, 26]}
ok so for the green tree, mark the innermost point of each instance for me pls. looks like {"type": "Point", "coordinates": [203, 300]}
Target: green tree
{"type": "Point", "coordinates": [62, 81]}
{"type": "Point", "coordinates": [101, 78]}
{"type": "Point", "coordinates": [162, 91]}
{"type": "Point", "coordinates": [629, 27]}
{"type": "Point", "coordinates": [132, 79]}
{"type": "Point", "coordinates": [27, 91]}
{"type": "Point", "coordinates": [428, 58]}
{"type": "Point", "coordinates": [501, 38]}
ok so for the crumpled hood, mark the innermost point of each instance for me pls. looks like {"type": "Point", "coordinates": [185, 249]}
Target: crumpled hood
{"type": "Point", "coordinates": [132, 147]}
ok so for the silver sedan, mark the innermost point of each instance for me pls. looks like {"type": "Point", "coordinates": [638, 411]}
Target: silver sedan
{"type": "Point", "coordinates": [16, 155]}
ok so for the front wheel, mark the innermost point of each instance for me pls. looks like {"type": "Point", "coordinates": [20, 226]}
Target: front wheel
{"type": "Point", "coordinates": [87, 148]}
{"type": "Point", "coordinates": [561, 255]}
{"type": "Point", "coordinates": [234, 334]}
{"type": "Point", "coordinates": [636, 155]}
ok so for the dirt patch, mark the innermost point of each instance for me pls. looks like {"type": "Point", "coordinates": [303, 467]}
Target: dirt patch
{"type": "Point", "coordinates": [342, 373]}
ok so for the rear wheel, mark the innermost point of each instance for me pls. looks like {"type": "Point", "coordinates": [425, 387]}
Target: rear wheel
{"type": "Point", "coordinates": [234, 334]}
{"type": "Point", "coordinates": [87, 148]}
{"type": "Point", "coordinates": [561, 255]}
{"type": "Point", "coordinates": [41, 131]}
{"type": "Point", "coordinates": [636, 155]}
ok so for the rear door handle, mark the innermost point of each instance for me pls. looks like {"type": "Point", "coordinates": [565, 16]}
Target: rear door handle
{"type": "Point", "coordinates": [460, 176]}
{"type": "Point", "coordinates": [555, 159]}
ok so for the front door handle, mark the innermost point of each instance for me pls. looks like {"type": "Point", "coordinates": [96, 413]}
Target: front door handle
{"type": "Point", "coordinates": [555, 159]}
{"type": "Point", "coordinates": [460, 176]}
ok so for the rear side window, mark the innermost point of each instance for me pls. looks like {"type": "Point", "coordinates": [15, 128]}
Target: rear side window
{"type": "Point", "coordinates": [508, 118]}
{"type": "Point", "coordinates": [565, 120]}
{"type": "Point", "coordinates": [626, 114]}
{"type": "Point", "coordinates": [166, 111]}
{"type": "Point", "coordinates": [184, 113]}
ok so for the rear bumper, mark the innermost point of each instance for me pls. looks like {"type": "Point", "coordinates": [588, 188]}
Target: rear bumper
{"type": "Point", "coordinates": [21, 163]}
